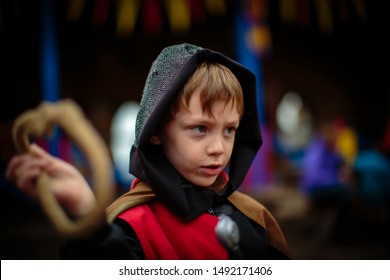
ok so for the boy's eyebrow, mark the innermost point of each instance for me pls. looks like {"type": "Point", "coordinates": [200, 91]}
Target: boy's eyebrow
{"type": "Point", "coordinates": [233, 123]}
{"type": "Point", "coordinates": [205, 120]}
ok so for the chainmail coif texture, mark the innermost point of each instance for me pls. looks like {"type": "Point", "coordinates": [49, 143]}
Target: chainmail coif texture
{"type": "Point", "coordinates": [162, 72]}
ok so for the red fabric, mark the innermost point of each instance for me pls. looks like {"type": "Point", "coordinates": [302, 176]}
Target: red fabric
{"type": "Point", "coordinates": [165, 236]}
{"type": "Point", "coordinates": [197, 10]}
{"type": "Point", "coordinates": [101, 12]}
{"type": "Point", "coordinates": [134, 183]}
{"type": "Point", "coordinates": [152, 17]}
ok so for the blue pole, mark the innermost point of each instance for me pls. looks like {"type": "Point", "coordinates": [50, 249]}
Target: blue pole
{"type": "Point", "coordinates": [49, 63]}
{"type": "Point", "coordinates": [249, 58]}
{"type": "Point", "coordinates": [259, 173]}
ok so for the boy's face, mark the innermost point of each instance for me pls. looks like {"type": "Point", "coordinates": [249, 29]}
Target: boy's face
{"type": "Point", "coordinates": [199, 144]}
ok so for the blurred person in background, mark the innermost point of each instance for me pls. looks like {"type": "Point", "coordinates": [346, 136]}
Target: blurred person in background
{"type": "Point", "coordinates": [325, 180]}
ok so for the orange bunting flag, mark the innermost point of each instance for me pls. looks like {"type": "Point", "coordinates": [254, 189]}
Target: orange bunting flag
{"type": "Point", "coordinates": [127, 11]}
{"type": "Point", "coordinates": [303, 13]}
{"type": "Point", "coordinates": [215, 7]}
{"type": "Point", "coordinates": [343, 11]}
{"type": "Point", "coordinates": [75, 9]}
{"type": "Point", "coordinates": [178, 15]}
{"type": "Point", "coordinates": [257, 9]}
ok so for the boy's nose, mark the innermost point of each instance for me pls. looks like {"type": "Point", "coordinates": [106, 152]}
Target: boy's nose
{"type": "Point", "coordinates": [215, 146]}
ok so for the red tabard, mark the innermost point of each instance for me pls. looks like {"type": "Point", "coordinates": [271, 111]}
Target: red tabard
{"type": "Point", "coordinates": [165, 236]}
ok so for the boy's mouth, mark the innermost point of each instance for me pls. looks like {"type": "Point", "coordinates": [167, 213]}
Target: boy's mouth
{"type": "Point", "coordinates": [211, 170]}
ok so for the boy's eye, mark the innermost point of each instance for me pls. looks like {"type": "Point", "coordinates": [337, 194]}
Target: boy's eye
{"type": "Point", "coordinates": [230, 130]}
{"type": "Point", "coordinates": [199, 129]}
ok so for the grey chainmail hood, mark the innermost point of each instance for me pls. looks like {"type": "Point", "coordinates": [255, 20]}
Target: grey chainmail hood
{"type": "Point", "coordinates": [168, 74]}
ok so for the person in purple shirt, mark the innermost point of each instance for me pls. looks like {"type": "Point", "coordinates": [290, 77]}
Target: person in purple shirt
{"type": "Point", "coordinates": [322, 169]}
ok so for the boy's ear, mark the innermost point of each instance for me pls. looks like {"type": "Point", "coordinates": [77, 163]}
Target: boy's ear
{"type": "Point", "coordinates": [155, 139]}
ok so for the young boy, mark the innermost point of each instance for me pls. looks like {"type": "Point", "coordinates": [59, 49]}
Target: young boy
{"type": "Point", "coordinates": [197, 132]}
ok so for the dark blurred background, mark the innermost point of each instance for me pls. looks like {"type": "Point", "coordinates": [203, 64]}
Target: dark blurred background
{"type": "Point", "coordinates": [322, 70]}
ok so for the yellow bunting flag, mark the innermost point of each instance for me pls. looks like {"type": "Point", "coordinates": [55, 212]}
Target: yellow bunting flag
{"type": "Point", "coordinates": [324, 15]}
{"type": "Point", "coordinates": [346, 144]}
{"type": "Point", "coordinates": [215, 7]}
{"type": "Point", "coordinates": [75, 9]}
{"type": "Point", "coordinates": [287, 10]}
{"type": "Point", "coordinates": [127, 11]}
{"type": "Point", "coordinates": [360, 9]}
{"type": "Point", "coordinates": [178, 15]}
{"type": "Point", "coordinates": [258, 38]}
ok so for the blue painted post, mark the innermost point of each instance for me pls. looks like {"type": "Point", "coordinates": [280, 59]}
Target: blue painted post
{"type": "Point", "coordinates": [260, 173]}
{"type": "Point", "coordinates": [49, 63]}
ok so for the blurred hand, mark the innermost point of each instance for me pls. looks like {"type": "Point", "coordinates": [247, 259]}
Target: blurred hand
{"type": "Point", "coordinates": [67, 184]}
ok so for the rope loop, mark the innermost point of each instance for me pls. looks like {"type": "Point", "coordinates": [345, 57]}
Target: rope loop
{"type": "Point", "coordinates": [70, 118]}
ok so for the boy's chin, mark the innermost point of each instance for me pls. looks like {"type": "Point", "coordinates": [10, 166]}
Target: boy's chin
{"type": "Point", "coordinates": [203, 182]}
{"type": "Point", "coordinates": [210, 183]}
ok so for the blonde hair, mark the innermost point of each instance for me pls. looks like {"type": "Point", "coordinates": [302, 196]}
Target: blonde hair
{"type": "Point", "coordinates": [216, 82]}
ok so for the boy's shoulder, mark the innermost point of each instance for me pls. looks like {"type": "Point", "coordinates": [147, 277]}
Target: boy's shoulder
{"type": "Point", "coordinates": [136, 196]}
{"type": "Point", "coordinates": [254, 210]}
{"type": "Point", "coordinates": [249, 206]}
{"type": "Point", "coordinates": [257, 212]}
